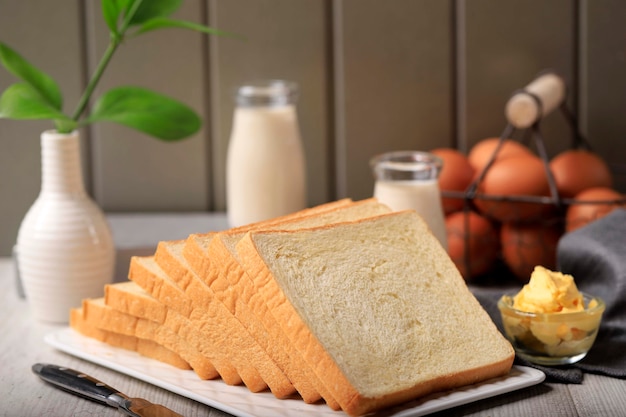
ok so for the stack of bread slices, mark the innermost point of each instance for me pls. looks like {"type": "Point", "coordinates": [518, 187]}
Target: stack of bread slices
{"type": "Point", "coordinates": [346, 303]}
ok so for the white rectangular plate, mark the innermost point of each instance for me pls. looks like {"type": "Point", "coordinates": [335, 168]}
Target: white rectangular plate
{"type": "Point", "coordinates": [239, 401]}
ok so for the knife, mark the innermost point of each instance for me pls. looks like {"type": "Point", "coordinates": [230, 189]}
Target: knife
{"type": "Point", "coordinates": [89, 387]}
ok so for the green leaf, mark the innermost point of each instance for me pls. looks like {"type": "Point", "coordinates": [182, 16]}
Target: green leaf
{"type": "Point", "coordinates": [37, 79]}
{"type": "Point", "coordinates": [149, 112]}
{"type": "Point", "coordinates": [165, 22]}
{"type": "Point", "coordinates": [149, 9]}
{"type": "Point", "coordinates": [21, 101]}
{"type": "Point", "coordinates": [111, 11]}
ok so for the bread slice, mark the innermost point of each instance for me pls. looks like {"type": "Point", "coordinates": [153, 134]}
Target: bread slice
{"type": "Point", "coordinates": [233, 338]}
{"type": "Point", "coordinates": [169, 256]}
{"type": "Point", "coordinates": [129, 298]}
{"type": "Point", "coordinates": [97, 314]}
{"type": "Point", "coordinates": [197, 243]}
{"type": "Point", "coordinates": [377, 309]}
{"type": "Point", "coordinates": [149, 276]}
{"type": "Point", "coordinates": [213, 257]}
{"type": "Point", "coordinates": [311, 211]}
{"type": "Point", "coordinates": [144, 347]}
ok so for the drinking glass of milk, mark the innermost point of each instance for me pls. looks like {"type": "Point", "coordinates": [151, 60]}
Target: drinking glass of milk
{"type": "Point", "coordinates": [265, 166]}
{"type": "Point", "coordinates": [408, 180]}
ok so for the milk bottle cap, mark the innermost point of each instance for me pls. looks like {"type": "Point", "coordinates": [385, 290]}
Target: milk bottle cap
{"type": "Point", "coordinates": [267, 93]}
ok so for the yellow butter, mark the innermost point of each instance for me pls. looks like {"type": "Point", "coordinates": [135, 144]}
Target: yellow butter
{"type": "Point", "coordinates": [549, 292]}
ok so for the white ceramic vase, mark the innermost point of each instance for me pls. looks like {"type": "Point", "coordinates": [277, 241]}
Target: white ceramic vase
{"type": "Point", "coordinates": [65, 249]}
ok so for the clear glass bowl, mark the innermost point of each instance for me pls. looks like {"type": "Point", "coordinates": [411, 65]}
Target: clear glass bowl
{"type": "Point", "coordinates": [552, 338]}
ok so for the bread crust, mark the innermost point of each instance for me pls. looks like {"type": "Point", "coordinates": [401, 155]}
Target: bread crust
{"type": "Point", "coordinates": [129, 298]}
{"type": "Point", "coordinates": [99, 315]}
{"type": "Point", "coordinates": [243, 350]}
{"type": "Point", "coordinates": [350, 399]}
{"type": "Point", "coordinates": [177, 304]}
{"type": "Point", "coordinates": [360, 405]}
{"type": "Point", "coordinates": [234, 278]}
{"type": "Point", "coordinates": [144, 347]}
{"type": "Point", "coordinates": [212, 261]}
{"type": "Point", "coordinates": [251, 307]}
{"type": "Point", "coordinates": [293, 327]}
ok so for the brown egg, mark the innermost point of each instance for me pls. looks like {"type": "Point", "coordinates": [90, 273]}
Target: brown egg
{"type": "Point", "coordinates": [476, 235]}
{"type": "Point", "coordinates": [576, 170]}
{"type": "Point", "coordinates": [482, 151]}
{"type": "Point", "coordinates": [590, 205]}
{"type": "Point", "coordinates": [456, 175]}
{"type": "Point", "coordinates": [525, 246]}
{"type": "Point", "coordinates": [514, 177]}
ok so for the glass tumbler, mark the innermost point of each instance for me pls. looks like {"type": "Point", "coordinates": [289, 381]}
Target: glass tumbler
{"type": "Point", "coordinates": [408, 180]}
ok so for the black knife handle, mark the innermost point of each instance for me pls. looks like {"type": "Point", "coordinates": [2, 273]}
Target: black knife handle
{"type": "Point", "coordinates": [79, 383]}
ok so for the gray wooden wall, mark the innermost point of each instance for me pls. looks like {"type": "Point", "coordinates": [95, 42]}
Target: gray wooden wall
{"type": "Point", "coordinates": [375, 76]}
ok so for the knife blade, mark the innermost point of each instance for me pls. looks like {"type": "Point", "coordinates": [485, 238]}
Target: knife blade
{"type": "Point", "coordinates": [89, 387]}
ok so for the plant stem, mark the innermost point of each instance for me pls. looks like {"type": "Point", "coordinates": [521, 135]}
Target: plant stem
{"type": "Point", "coordinates": [113, 44]}
{"type": "Point", "coordinates": [104, 61]}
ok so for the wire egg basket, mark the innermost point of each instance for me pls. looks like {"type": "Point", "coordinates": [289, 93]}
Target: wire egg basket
{"type": "Point", "coordinates": [536, 235]}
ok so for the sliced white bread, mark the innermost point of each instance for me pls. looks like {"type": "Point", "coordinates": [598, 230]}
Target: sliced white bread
{"type": "Point", "coordinates": [213, 257]}
{"type": "Point", "coordinates": [377, 309]}
{"type": "Point", "coordinates": [238, 344]}
{"type": "Point", "coordinates": [129, 298]}
{"type": "Point", "coordinates": [149, 276]}
{"type": "Point", "coordinates": [144, 347]}
{"type": "Point", "coordinates": [300, 375]}
{"type": "Point", "coordinates": [97, 314]}
{"type": "Point", "coordinates": [197, 243]}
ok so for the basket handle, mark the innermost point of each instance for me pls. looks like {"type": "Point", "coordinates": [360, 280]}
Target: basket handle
{"type": "Point", "coordinates": [535, 101]}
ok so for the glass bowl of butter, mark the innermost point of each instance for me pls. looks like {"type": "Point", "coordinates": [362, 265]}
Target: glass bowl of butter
{"type": "Point", "coordinates": [550, 322]}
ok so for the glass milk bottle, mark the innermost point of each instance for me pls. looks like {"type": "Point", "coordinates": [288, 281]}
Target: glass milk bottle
{"type": "Point", "coordinates": [265, 167]}
{"type": "Point", "coordinates": [409, 180]}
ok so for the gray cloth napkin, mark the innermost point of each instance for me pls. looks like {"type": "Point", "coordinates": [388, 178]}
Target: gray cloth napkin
{"type": "Point", "coordinates": [595, 256]}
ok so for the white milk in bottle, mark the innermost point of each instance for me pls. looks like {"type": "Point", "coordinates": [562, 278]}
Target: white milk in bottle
{"type": "Point", "coordinates": [265, 167]}
{"type": "Point", "coordinates": [408, 180]}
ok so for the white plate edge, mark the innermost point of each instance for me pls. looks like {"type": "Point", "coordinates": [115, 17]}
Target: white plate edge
{"type": "Point", "coordinates": [436, 402]}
